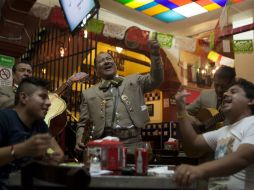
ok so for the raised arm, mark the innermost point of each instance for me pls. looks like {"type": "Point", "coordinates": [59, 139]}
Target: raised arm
{"type": "Point", "coordinates": [194, 144]}
{"type": "Point", "coordinates": [6, 101]}
{"type": "Point", "coordinates": [156, 76]}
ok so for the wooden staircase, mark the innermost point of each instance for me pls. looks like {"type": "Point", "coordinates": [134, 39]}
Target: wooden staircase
{"type": "Point", "coordinates": [16, 26]}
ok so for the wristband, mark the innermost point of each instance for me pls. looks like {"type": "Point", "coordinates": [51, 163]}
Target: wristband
{"type": "Point", "coordinates": [13, 152]}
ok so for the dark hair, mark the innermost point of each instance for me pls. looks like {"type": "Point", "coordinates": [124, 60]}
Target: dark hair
{"type": "Point", "coordinates": [14, 68]}
{"type": "Point", "coordinates": [248, 88]}
{"type": "Point", "coordinates": [225, 72]}
{"type": "Point", "coordinates": [29, 86]}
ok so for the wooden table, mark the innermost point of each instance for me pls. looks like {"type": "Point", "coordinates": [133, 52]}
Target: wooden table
{"type": "Point", "coordinates": [113, 181]}
{"type": "Point", "coordinates": [134, 182]}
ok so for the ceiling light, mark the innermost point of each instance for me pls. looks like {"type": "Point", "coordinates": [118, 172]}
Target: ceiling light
{"type": "Point", "coordinates": [119, 49]}
{"type": "Point", "coordinates": [169, 16]}
{"type": "Point", "coordinates": [163, 9]}
{"type": "Point", "coordinates": [190, 9]}
{"type": "Point", "coordinates": [85, 33]}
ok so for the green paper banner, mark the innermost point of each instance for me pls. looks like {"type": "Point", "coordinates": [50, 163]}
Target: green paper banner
{"type": "Point", "coordinates": [95, 26]}
{"type": "Point", "coordinates": [6, 61]}
{"type": "Point", "coordinates": [165, 40]}
{"type": "Point", "coordinates": [243, 46]}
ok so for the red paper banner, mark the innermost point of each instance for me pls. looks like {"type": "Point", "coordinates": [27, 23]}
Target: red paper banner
{"type": "Point", "coordinates": [136, 37]}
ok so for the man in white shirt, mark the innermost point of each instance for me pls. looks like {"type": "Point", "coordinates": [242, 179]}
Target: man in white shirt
{"type": "Point", "coordinates": [233, 144]}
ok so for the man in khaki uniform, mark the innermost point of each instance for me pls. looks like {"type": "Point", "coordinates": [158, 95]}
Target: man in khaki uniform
{"type": "Point", "coordinates": [7, 93]}
{"type": "Point", "coordinates": [116, 105]}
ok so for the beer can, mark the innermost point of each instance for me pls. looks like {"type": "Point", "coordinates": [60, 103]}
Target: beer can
{"type": "Point", "coordinates": [141, 161]}
{"type": "Point", "coordinates": [124, 157]}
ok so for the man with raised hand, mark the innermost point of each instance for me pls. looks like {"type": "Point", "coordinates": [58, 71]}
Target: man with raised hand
{"type": "Point", "coordinates": [116, 105]}
{"type": "Point", "coordinates": [233, 144]}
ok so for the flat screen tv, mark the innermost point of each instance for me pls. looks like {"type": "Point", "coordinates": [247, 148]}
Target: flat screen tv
{"type": "Point", "coordinates": [78, 12]}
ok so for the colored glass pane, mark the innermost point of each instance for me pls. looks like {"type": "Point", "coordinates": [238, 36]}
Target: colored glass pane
{"type": "Point", "coordinates": [236, 1]}
{"type": "Point", "coordinates": [155, 10]}
{"type": "Point", "coordinates": [204, 2]}
{"type": "Point", "coordinates": [220, 2]}
{"type": "Point", "coordinates": [169, 16]}
{"type": "Point", "coordinates": [137, 3]}
{"type": "Point", "coordinates": [167, 3]}
{"type": "Point", "coordinates": [212, 7]}
{"type": "Point", "coordinates": [147, 6]}
{"type": "Point", "coordinates": [124, 1]}
{"type": "Point", "coordinates": [180, 2]}
{"type": "Point", "coordinates": [190, 9]}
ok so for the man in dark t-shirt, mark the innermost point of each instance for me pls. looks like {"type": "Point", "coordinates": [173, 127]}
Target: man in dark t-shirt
{"type": "Point", "coordinates": [23, 133]}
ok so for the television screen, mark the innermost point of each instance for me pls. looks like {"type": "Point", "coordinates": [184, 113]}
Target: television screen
{"type": "Point", "coordinates": [78, 11]}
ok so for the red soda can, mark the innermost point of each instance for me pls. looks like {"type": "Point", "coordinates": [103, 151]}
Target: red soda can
{"type": "Point", "coordinates": [141, 161]}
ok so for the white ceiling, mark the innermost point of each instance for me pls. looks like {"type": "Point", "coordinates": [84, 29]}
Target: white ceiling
{"type": "Point", "coordinates": [111, 11]}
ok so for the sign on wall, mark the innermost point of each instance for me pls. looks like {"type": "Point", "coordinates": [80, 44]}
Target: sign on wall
{"type": "Point", "coordinates": [6, 64]}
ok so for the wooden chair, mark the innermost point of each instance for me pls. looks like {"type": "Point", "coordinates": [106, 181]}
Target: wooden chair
{"type": "Point", "coordinates": [38, 175]}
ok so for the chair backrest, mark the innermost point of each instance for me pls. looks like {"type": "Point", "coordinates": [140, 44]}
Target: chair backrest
{"type": "Point", "coordinates": [49, 176]}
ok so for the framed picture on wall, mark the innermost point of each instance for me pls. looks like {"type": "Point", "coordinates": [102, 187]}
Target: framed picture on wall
{"type": "Point", "coordinates": [150, 109]}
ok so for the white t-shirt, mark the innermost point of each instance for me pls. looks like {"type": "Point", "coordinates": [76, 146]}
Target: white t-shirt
{"type": "Point", "coordinates": [226, 140]}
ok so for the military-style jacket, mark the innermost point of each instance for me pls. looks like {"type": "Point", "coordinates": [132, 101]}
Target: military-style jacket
{"type": "Point", "coordinates": [7, 96]}
{"type": "Point", "coordinates": [131, 93]}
